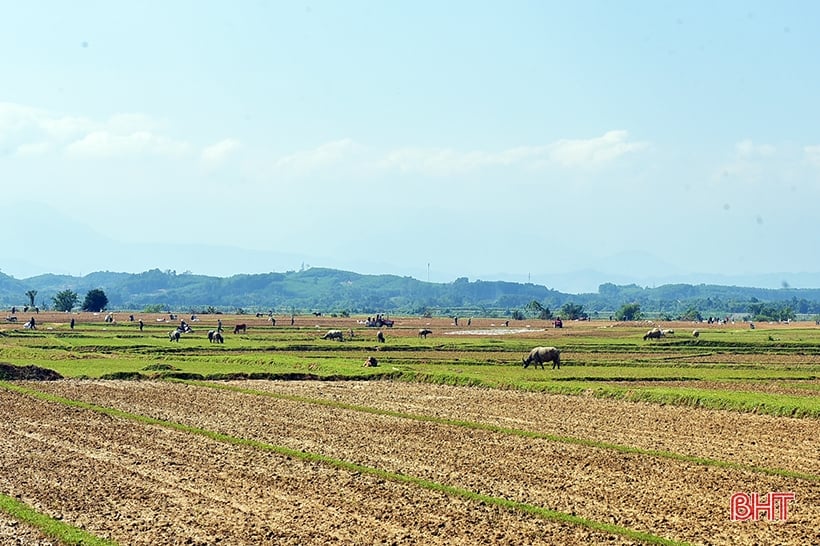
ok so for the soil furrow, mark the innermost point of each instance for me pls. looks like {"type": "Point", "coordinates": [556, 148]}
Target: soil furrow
{"type": "Point", "coordinates": [660, 496]}
{"type": "Point", "coordinates": [755, 440]}
{"type": "Point", "coordinates": [140, 484]}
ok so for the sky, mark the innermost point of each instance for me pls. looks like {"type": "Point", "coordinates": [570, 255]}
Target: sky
{"type": "Point", "coordinates": [490, 140]}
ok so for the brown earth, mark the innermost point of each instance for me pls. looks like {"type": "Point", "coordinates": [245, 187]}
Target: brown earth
{"type": "Point", "coordinates": [142, 484]}
{"type": "Point", "coordinates": [20, 534]}
{"type": "Point", "coordinates": [10, 372]}
{"type": "Point", "coordinates": [808, 387]}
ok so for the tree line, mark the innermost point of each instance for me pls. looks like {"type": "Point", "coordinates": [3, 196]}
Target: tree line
{"type": "Point", "coordinates": [342, 292]}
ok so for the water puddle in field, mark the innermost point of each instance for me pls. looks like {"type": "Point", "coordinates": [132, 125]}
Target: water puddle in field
{"type": "Point", "coordinates": [502, 331]}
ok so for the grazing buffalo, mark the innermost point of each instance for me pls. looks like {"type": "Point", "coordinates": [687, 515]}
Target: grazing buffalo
{"type": "Point", "coordinates": [173, 335]}
{"type": "Point", "coordinates": [334, 334]}
{"type": "Point", "coordinates": [371, 362]}
{"type": "Point", "coordinates": [424, 332]}
{"type": "Point", "coordinates": [380, 336]}
{"type": "Point", "coordinates": [242, 327]}
{"type": "Point", "coordinates": [218, 338]}
{"type": "Point", "coordinates": [211, 335]}
{"type": "Point", "coordinates": [654, 333]}
{"type": "Point", "coordinates": [539, 355]}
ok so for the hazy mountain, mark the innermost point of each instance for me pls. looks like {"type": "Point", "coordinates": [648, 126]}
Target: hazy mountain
{"type": "Point", "coordinates": [74, 249]}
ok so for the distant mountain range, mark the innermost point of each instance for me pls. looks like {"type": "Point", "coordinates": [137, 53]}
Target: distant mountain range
{"type": "Point", "coordinates": [73, 248]}
{"type": "Point", "coordinates": [336, 291]}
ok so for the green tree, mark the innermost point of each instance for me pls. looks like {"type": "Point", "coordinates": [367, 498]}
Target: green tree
{"type": "Point", "coordinates": [535, 308]}
{"type": "Point", "coordinates": [31, 295]}
{"type": "Point", "coordinates": [573, 311]}
{"type": "Point", "coordinates": [692, 314]}
{"type": "Point", "coordinates": [629, 311]}
{"type": "Point", "coordinates": [95, 300]}
{"type": "Point", "coordinates": [65, 300]}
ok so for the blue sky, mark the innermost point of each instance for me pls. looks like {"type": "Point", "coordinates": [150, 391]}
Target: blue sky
{"type": "Point", "coordinates": [489, 140]}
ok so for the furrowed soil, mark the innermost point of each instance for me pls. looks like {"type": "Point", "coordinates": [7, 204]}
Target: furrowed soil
{"type": "Point", "coordinates": [20, 534]}
{"type": "Point", "coordinates": [148, 484]}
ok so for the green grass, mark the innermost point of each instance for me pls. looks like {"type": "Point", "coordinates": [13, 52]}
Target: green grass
{"type": "Point", "coordinates": [604, 362]}
{"type": "Point", "coordinates": [65, 533]}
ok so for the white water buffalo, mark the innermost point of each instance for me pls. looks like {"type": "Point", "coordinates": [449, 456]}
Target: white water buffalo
{"type": "Point", "coordinates": [424, 332]}
{"type": "Point", "coordinates": [539, 355]}
{"type": "Point", "coordinates": [334, 334]}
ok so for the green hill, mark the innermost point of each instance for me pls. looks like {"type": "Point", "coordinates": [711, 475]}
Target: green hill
{"type": "Point", "coordinates": [334, 291]}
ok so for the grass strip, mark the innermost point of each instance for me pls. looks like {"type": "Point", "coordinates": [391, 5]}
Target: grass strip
{"type": "Point", "coordinates": [539, 511]}
{"type": "Point", "coordinates": [475, 425]}
{"type": "Point", "coordinates": [744, 402]}
{"type": "Point", "coordinates": [65, 533]}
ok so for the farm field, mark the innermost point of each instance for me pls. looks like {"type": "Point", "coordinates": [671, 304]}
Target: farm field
{"type": "Point", "coordinates": [277, 437]}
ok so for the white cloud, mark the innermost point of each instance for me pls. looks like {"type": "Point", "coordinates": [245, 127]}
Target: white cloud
{"type": "Point", "coordinates": [20, 124]}
{"type": "Point", "coordinates": [594, 151]}
{"type": "Point", "coordinates": [749, 161]}
{"type": "Point", "coordinates": [34, 149]}
{"type": "Point", "coordinates": [812, 154]}
{"type": "Point", "coordinates": [220, 152]}
{"type": "Point", "coordinates": [105, 144]}
{"type": "Point", "coordinates": [748, 149]}
{"type": "Point", "coordinates": [327, 156]}
{"type": "Point", "coordinates": [587, 153]}
{"type": "Point", "coordinates": [28, 132]}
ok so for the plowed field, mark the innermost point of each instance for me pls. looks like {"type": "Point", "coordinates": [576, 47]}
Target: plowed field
{"type": "Point", "coordinates": [266, 462]}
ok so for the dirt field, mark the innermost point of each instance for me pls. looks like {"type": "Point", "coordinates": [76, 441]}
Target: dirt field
{"type": "Point", "coordinates": [149, 484]}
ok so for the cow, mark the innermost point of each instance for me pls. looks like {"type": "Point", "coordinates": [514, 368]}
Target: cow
{"type": "Point", "coordinates": [242, 327]}
{"type": "Point", "coordinates": [539, 355]}
{"type": "Point", "coordinates": [654, 333]}
{"type": "Point", "coordinates": [173, 335]}
{"type": "Point", "coordinates": [424, 332]}
{"type": "Point", "coordinates": [218, 338]}
{"type": "Point", "coordinates": [380, 336]}
{"type": "Point", "coordinates": [334, 334]}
